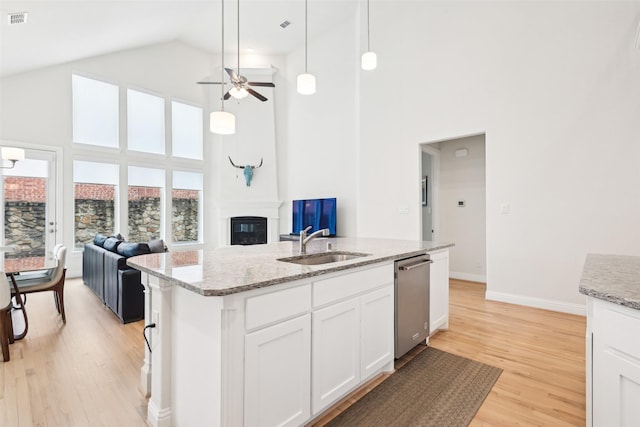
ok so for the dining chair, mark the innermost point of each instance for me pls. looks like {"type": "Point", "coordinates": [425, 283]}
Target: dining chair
{"type": "Point", "coordinates": [52, 281]}
{"type": "Point", "coordinates": [6, 327]}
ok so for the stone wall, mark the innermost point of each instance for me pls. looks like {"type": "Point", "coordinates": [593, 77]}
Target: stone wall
{"type": "Point", "coordinates": [144, 214]}
{"type": "Point", "coordinates": [25, 215]}
{"type": "Point", "coordinates": [94, 212]}
{"type": "Point", "coordinates": [184, 213]}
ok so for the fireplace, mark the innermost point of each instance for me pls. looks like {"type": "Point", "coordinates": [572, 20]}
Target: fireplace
{"type": "Point", "coordinates": [248, 230]}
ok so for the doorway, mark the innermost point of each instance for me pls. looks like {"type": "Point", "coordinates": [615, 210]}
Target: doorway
{"type": "Point", "coordinates": [457, 205]}
{"type": "Point", "coordinates": [28, 207]}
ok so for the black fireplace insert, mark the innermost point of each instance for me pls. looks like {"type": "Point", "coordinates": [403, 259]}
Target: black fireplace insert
{"type": "Point", "coordinates": [248, 230]}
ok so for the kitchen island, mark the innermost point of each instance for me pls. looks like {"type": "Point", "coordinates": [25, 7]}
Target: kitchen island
{"type": "Point", "coordinates": [612, 285]}
{"type": "Point", "coordinates": [242, 337]}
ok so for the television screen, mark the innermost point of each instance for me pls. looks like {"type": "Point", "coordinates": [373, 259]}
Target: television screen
{"type": "Point", "coordinates": [317, 213]}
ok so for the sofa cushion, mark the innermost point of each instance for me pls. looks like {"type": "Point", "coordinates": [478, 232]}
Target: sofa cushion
{"type": "Point", "coordinates": [157, 246]}
{"type": "Point", "coordinates": [127, 249]}
{"type": "Point", "coordinates": [111, 244]}
{"type": "Point", "coordinates": [99, 240]}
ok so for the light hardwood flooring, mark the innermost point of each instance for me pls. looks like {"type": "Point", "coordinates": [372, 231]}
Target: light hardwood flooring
{"type": "Point", "coordinates": [87, 372]}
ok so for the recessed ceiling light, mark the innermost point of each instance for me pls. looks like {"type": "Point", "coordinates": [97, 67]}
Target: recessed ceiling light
{"type": "Point", "coordinates": [17, 18]}
{"type": "Point", "coordinates": [285, 24]}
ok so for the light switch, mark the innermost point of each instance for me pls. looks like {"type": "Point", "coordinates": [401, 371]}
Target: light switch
{"type": "Point", "coordinates": [504, 208]}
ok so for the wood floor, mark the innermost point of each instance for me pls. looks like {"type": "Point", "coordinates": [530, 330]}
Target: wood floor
{"type": "Point", "coordinates": [87, 371]}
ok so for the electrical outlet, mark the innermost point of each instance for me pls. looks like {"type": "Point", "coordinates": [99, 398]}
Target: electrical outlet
{"type": "Point", "coordinates": [156, 318]}
{"type": "Point", "coordinates": [403, 209]}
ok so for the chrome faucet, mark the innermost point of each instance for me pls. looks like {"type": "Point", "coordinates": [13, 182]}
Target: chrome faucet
{"type": "Point", "coordinates": [304, 239]}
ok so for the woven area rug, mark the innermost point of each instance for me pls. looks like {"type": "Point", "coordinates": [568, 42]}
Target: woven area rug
{"type": "Point", "coordinates": [435, 388]}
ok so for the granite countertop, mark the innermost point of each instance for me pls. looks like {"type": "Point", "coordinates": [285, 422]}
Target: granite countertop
{"type": "Point", "coordinates": [236, 269]}
{"type": "Point", "coordinates": [613, 278]}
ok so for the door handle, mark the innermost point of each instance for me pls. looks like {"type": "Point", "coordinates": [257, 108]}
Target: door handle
{"type": "Point", "coordinates": [412, 266]}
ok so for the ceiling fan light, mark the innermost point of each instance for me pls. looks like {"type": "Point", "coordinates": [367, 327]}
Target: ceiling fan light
{"type": "Point", "coordinates": [306, 84]}
{"type": "Point", "coordinates": [222, 123]}
{"type": "Point", "coordinates": [238, 93]}
{"type": "Point", "coordinates": [369, 61]}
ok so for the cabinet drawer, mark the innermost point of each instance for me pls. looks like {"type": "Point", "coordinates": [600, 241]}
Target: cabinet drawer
{"type": "Point", "coordinates": [616, 325]}
{"type": "Point", "coordinates": [265, 309]}
{"type": "Point", "coordinates": [337, 288]}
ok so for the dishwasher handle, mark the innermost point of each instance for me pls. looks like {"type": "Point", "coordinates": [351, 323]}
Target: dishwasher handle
{"type": "Point", "coordinates": [412, 266]}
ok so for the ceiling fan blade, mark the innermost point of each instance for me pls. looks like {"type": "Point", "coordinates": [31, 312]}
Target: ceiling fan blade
{"type": "Point", "coordinates": [256, 94]}
{"type": "Point", "coordinates": [232, 73]}
{"type": "Point", "coordinates": [209, 83]}
{"type": "Point", "coordinates": [227, 96]}
{"type": "Point", "coordinates": [265, 84]}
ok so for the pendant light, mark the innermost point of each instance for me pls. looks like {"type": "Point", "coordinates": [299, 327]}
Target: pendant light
{"type": "Point", "coordinates": [235, 92]}
{"type": "Point", "coordinates": [306, 81]}
{"type": "Point", "coordinates": [369, 59]}
{"type": "Point", "coordinates": [222, 122]}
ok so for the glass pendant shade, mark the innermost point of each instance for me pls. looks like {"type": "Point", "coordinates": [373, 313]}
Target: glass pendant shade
{"type": "Point", "coordinates": [222, 123]}
{"type": "Point", "coordinates": [238, 93]}
{"type": "Point", "coordinates": [306, 84]}
{"type": "Point", "coordinates": [369, 61]}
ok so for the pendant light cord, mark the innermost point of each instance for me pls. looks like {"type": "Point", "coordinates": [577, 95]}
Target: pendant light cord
{"type": "Point", "coordinates": [368, 44]}
{"type": "Point", "coordinates": [238, 37]}
{"type": "Point", "coordinates": [222, 71]}
{"type": "Point", "coordinates": [305, 36]}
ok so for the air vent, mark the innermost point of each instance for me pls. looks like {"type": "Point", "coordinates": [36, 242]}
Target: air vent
{"type": "Point", "coordinates": [285, 24]}
{"type": "Point", "coordinates": [17, 18]}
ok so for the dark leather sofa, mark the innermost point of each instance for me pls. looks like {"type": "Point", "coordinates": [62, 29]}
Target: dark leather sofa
{"type": "Point", "coordinates": [106, 273]}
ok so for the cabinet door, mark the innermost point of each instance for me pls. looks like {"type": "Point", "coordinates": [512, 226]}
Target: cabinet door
{"type": "Point", "coordinates": [336, 352]}
{"type": "Point", "coordinates": [439, 292]}
{"type": "Point", "coordinates": [376, 345]}
{"type": "Point", "coordinates": [278, 374]}
{"type": "Point", "coordinates": [616, 366]}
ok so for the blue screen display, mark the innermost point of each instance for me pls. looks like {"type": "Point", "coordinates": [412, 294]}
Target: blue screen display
{"type": "Point", "coordinates": [317, 213]}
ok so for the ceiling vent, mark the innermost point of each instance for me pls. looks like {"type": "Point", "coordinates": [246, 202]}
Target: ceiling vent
{"type": "Point", "coordinates": [17, 18]}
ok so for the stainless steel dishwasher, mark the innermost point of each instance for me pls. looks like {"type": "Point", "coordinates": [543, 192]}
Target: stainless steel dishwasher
{"type": "Point", "coordinates": [412, 302]}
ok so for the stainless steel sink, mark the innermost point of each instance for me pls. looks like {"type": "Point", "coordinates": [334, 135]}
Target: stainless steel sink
{"type": "Point", "coordinates": [323, 258]}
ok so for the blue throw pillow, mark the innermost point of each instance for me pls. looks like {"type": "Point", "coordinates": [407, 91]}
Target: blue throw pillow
{"type": "Point", "coordinates": [111, 244]}
{"type": "Point", "coordinates": [127, 249]}
{"type": "Point", "coordinates": [157, 246]}
{"type": "Point", "coordinates": [99, 240]}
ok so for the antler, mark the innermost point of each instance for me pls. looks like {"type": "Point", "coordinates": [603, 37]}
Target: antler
{"type": "Point", "coordinates": [234, 165]}
{"type": "Point", "coordinates": [256, 167]}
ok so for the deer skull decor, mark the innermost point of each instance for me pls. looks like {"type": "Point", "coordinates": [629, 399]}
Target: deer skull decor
{"type": "Point", "coordinates": [248, 170]}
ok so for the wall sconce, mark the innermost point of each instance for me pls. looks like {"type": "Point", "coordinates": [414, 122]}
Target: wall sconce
{"type": "Point", "coordinates": [11, 154]}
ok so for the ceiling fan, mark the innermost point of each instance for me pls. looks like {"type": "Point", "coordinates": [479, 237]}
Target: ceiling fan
{"type": "Point", "coordinates": [240, 83]}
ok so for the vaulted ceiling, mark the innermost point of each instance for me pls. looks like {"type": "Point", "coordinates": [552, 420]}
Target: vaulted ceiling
{"type": "Point", "coordinates": [62, 31]}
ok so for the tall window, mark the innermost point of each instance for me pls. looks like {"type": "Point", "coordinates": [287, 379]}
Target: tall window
{"type": "Point", "coordinates": [95, 189]}
{"type": "Point", "coordinates": [95, 112]}
{"type": "Point", "coordinates": [146, 187]}
{"type": "Point", "coordinates": [145, 122]}
{"type": "Point", "coordinates": [186, 130]}
{"type": "Point", "coordinates": [186, 206]}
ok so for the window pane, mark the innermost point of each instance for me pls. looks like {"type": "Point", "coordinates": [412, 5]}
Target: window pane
{"type": "Point", "coordinates": [145, 203]}
{"type": "Point", "coordinates": [145, 122]}
{"type": "Point", "coordinates": [186, 205]}
{"type": "Point", "coordinates": [95, 112]}
{"type": "Point", "coordinates": [187, 130]}
{"type": "Point", "coordinates": [95, 189]}
{"type": "Point", "coordinates": [25, 215]}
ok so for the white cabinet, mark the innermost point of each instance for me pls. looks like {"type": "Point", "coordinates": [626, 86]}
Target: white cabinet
{"type": "Point", "coordinates": [278, 374]}
{"type": "Point", "coordinates": [336, 352]}
{"type": "Point", "coordinates": [615, 369]}
{"type": "Point", "coordinates": [376, 334]}
{"type": "Point", "coordinates": [439, 291]}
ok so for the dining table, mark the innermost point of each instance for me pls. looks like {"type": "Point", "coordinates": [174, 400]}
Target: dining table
{"type": "Point", "coordinates": [17, 263]}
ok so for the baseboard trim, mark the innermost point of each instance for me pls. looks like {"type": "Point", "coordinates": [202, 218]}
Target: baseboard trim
{"type": "Point", "coordinates": [467, 276]}
{"type": "Point", "coordinates": [545, 304]}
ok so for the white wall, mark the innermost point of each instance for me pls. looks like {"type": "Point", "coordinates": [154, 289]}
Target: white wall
{"type": "Point", "coordinates": [555, 87]}
{"type": "Point", "coordinates": [463, 179]}
{"type": "Point", "coordinates": [321, 137]}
